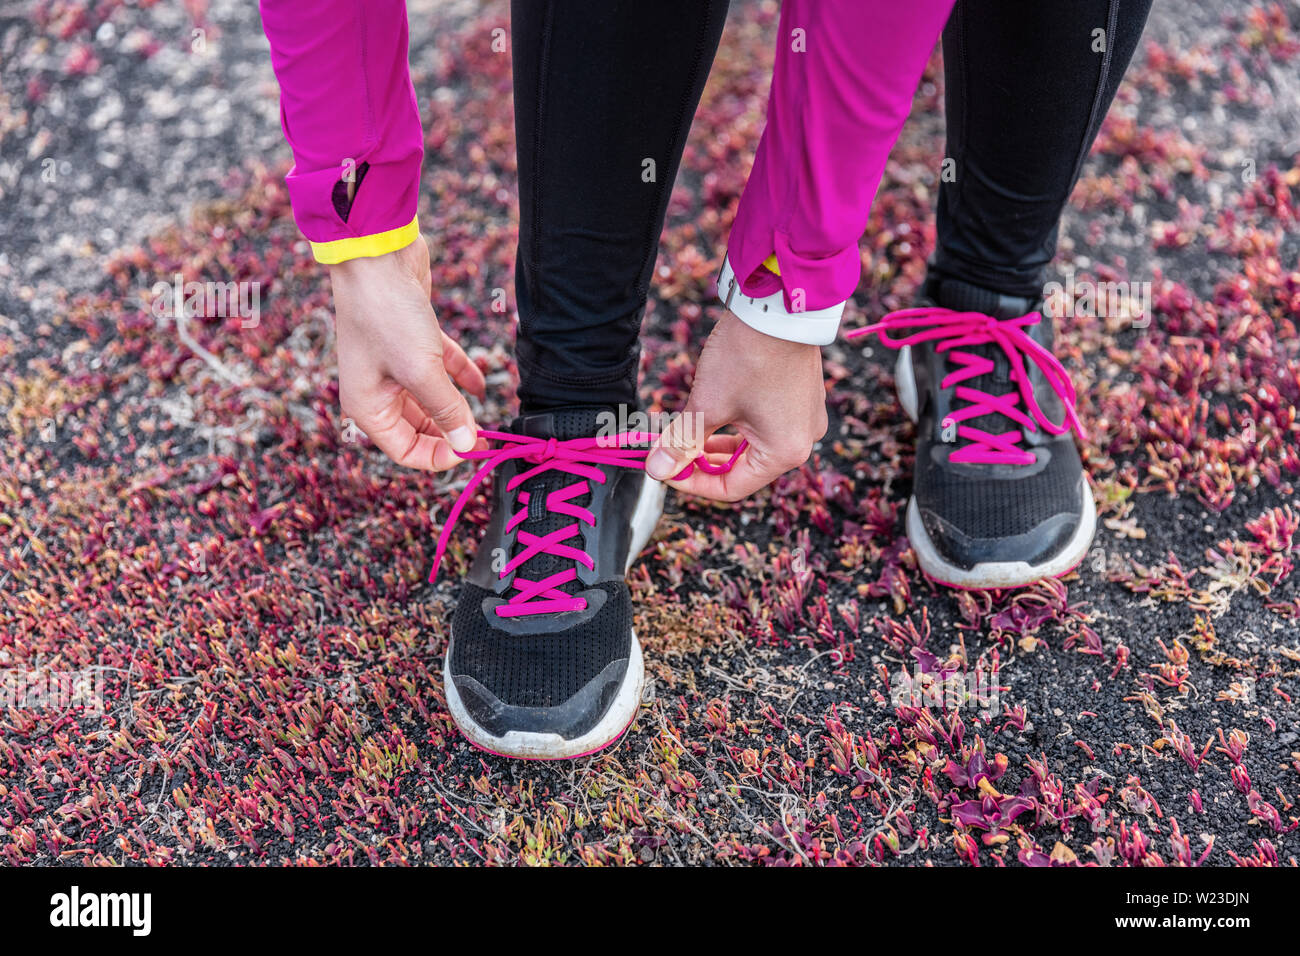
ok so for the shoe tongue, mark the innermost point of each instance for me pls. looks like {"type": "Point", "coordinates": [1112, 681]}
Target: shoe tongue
{"type": "Point", "coordinates": [964, 297]}
{"type": "Point", "coordinates": [571, 421]}
{"type": "Point", "coordinates": [574, 421]}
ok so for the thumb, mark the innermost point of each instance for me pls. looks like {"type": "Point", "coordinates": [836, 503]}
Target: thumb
{"type": "Point", "coordinates": [679, 444]}
{"type": "Point", "coordinates": [443, 402]}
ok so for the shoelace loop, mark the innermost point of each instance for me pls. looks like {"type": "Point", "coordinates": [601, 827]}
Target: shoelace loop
{"type": "Point", "coordinates": [552, 446]}
{"type": "Point", "coordinates": [579, 457]}
{"type": "Point", "coordinates": [954, 330]}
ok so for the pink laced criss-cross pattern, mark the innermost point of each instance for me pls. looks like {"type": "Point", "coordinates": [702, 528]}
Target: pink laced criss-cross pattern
{"type": "Point", "coordinates": [955, 330]}
{"type": "Point", "coordinates": [579, 457]}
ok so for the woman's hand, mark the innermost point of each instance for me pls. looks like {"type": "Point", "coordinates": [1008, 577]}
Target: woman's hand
{"type": "Point", "coordinates": [396, 367]}
{"type": "Point", "coordinates": [771, 390]}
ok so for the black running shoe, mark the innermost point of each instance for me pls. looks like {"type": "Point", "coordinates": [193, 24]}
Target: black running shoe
{"type": "Point", "coordinates": [999, 497]}
{"type": "Point", "coordinates": [543, 662]}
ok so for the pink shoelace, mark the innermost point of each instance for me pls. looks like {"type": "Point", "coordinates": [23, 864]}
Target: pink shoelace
{"type": "Point", "coordinates": [578, 457]}
{"type": "Point", "coordinates": [955, 330]}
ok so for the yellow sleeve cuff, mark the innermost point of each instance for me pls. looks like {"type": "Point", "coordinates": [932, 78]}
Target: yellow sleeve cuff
{"type": "Point", "coordinates": [360, 247]}
{"type": "Point", "coordinates": [771, 264]}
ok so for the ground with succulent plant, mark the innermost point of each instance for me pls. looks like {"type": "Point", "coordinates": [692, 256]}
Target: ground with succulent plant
{"type": "Point", "coordinates": [187, 526]}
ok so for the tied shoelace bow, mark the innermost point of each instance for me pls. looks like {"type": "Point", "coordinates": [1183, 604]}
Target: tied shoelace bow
{"type": "Point", "coordinates": [956, 330]}
{"type": "Point", "coordinates": [578, 457]}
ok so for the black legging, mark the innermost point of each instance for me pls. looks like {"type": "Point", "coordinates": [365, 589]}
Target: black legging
{"type": "Point", "coordinates": [602, 86]}
{"type": "Point", "coordinates": [1025, 95]}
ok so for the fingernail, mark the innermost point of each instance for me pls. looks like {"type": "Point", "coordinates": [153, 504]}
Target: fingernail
{"type": "Point", "coordinates": [462, 439]}
{"type": "Point", "coordinates": [660, 465]}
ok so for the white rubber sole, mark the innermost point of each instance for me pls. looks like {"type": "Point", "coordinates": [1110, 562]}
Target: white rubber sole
{"type": "Point", "coordinates": [988, 574]}
{"type": "Point", "coordinates": [526, 745]}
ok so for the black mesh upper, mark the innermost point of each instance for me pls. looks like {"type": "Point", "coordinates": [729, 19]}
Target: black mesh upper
{"type": "Point", "coordinates": [539, 670]}
{"type": "Point", "coordinates": [987, 507]}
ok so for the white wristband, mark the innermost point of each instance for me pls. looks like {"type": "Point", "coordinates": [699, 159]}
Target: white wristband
{"type": "Point", "coordinates": [770, 316]}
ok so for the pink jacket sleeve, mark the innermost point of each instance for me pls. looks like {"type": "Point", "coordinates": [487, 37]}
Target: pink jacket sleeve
{"type": "Point", "coordinates": [842, 88]}
{"type": "Point", "coordinates": [348, 108]}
